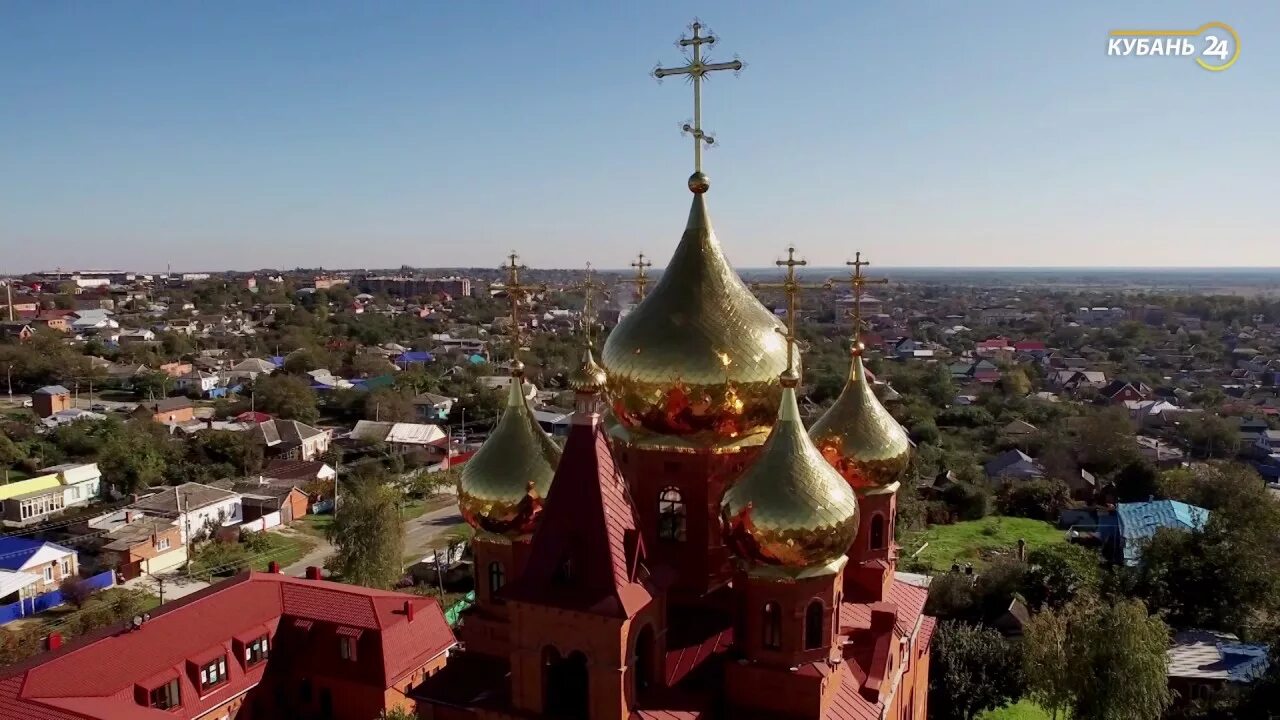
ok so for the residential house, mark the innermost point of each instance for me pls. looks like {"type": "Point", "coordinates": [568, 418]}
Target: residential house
{"type": "Point", "coordinates": [147, 545]}
{"type": "Point", "coordinates": [170, 411]}
{"type": "Point", "coordinates": [1207, 665]}
{"type": "Point", "coordinates": [16, 329]}
{"type": "Point", "coordinates": [556, 422]}
{"type": "Point", "coordinates": [197, 382]}
{"type": "Point", "coordinates": [1159, 452]}
{"type": "Point", "coordinates": [251, 368]}
{"type": "Point", "coordinates": [985, 372]}
{"type": "Point", "coordinates": [292, 440]}
{"type": "Point", "coordinates": [17, 586]}
{"type": "Point", "coordinates": [1148, 414]}
{"type": "Point", "coordinates": [176, 369]}
{"type": "Point", "coordinates": [1034, 349]}
{"type": "Point", "coordinates": [1268, 442]}
{"type": "Point", "coordinates": [1118, 392]}
{"type": "Point", "coordinates": [31, 501]}
{"type": "Point", "coordinates": [136, 337]}
{"type": "Point", "coordinates": [993, 347]}
{"type": "Point", "coordinates": [432, 407]}
{"type": "Point", "coordinates": [1018, 428]}
{"type": "Point", "coordinates": [1012, 465]}
{"type": "Point", "coordinates": [56, 320]}
{"type": "Point", "coordinates": [199, 510]}
{"type": "Point", "coordinates": [49, 562]}
{"type": "Point", "coordinates": [399, 436]}
{"type": "Point", "coordinates": [81, 482]}
{"type": "Point", "coordinates": [50, 399]}
{"type": "Point", "coordinates": [298, 472]}
{"type": "Point", "coordinates": [63, 417]}
{"type": "Point", "coordinates": [257, 646]}
{"type": "Point", "coordinates": [263, 498]}
{"type": "Point", "coordinates": [1137, 522]}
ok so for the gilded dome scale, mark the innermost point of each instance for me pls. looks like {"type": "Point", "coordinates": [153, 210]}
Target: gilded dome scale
{"type": "Point", "coordinates": [790, 511]}
{"type": "Point", "coordinates": [859, 437]}
{"type": "Point", "coordinates": [504, 485]}
{"type": "Point", "coordinates": [696, 364]}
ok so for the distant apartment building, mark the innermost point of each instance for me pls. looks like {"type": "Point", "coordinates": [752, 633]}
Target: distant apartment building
{"type": "Point", "coordinates": [411, 286]}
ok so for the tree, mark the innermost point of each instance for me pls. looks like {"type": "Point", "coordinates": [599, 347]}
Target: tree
{"type": "Point", "coordinates": [974, 669]}
{"type": "Point", "coordinates": [151, 385]}
{"type": "Point", "coordinates": [75, 590]}
{"type": "Point", "coordinates": [1117, 662]}
{"type": "Point", "coordinates": [368, 534]}
{"type": "Point", "coordinates": [1058, 574]}
{"type": "Point", "coordinates": [1211, 435]}
{"type": "Point", "coordinates": [1041, 499]}
{"type": "Point", "coordinates": [397, 713]}
{"type": "Point", "coordinates": [1106, 442]}
{"type": "Point", "coordinates": [135, 459]}
{"type": "Point", "coordinates": [1046, 654]}
{"type": "Point", "coordinates": [10, 453]}
{"type": "Point", "coordinates": [1138, 481]}
{"type": "Point", "coordinates": [389, 405]}
{"type": "Point", "coordinates": [287, 396]}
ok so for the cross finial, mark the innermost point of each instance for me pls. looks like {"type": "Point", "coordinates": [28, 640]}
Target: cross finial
{"type": "Point", "coordinates": [858, 282]}
{"type": "Point", "coordinates": [791, 288]}
{"type": "Point", "coordinates": [641, 280]}
{"type": "Point", "coordinates": [696, 69]}
{"type": "Point", "coordinates": [589, 288]}
{"type": "Point", "coordinates": [515, 292]}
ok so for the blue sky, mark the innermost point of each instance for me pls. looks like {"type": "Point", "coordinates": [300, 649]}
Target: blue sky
{"type": "Point", "coordinates": [272, 134]}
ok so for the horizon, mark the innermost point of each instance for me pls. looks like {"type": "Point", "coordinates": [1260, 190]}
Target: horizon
{"type": "Point", "coordinates": [987, 137]}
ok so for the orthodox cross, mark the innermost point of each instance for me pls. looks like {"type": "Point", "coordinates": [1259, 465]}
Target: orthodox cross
{"type": "Point", "coordinates": [589, 288]}
{"type": "Point", "coordinates": [515, 291]}
{"type": "Point", "coordinates": [697, 69]}
{"type": "Point", "coordinates": [641, 280]}
{"type": "Point", "coordinates": [858, 282]}
{"type": "Point", "coordinates": [792, 289]}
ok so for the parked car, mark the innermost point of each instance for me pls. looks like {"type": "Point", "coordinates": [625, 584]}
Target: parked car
{"type": "Point", "coordinates": [99, 408]}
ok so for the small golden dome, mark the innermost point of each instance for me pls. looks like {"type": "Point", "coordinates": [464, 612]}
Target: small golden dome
{"type": "Point", "coordinates": [789, 511]}
{"type": "Point", "coordinates": [504, 485]}
{"type": "Point", "coordinates": [696, 364]}
{"type": "Point", "coordinates": [859, 437]}
{"type": "Point", "coordinates": [588, 377]}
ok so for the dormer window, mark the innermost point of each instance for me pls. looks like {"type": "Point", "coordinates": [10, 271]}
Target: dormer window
{"type": "Point", "coordinates": [347, 647]}
{"type": "Point", "coordinates": [213, 674]}
{"type": "Point", "coordinates": [166, 696]}
{"type": "Point", "coordinates": [256, 651]}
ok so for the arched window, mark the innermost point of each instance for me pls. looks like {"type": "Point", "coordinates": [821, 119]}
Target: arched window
{"type": "Point", "coordinates": [497, 576]}
{"type": "Point", "coordinates": [671, 515]}
{"type": "Point", "coordinates": [772, 626]}
{"type": "Point", "coordinates": [813, 625]}
{"type": "Point", "coordinates": [877, 531]}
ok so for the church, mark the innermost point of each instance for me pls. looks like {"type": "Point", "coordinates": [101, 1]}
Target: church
{"type": "Point", "coordinates": [694, 551]}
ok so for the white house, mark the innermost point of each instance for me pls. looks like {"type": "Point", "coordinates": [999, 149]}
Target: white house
{"type": "Point", "coordinates": [1268, 442]}
{"type": "Point", "coordinates": [197, 380]}
{"type": "Point", "coordinates": [197, 509]}
{"type": "Point", "coordinates": [82, 482]}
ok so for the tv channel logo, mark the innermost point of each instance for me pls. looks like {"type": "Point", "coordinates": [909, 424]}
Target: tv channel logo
{"type": "Point", "coordinates": [1215, 46]}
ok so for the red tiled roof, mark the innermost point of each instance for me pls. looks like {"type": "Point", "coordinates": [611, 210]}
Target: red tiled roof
{"type": "Point", "coordinates": [94, 677]}
{"type": "Point", "coordinates": [588, 517]}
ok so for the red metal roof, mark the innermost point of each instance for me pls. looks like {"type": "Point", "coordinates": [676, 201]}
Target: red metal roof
{"type": "Point", "coordinates": [588, 519]}
{"type": "Point", "coordinates": [95, 677]}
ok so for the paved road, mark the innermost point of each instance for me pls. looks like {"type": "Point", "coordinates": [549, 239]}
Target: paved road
{"type": "Point", "coordinates": [420, 535]}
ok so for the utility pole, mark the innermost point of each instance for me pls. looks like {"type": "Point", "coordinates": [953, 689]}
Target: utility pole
{"type": "Point", "coordinates": [8, 289]}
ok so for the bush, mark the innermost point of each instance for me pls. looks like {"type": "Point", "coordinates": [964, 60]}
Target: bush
{"type": "Point", "coordinates": [75, 591]}
{"type": "Point", "coordinates": [1036, 499]}
{"type": "Point", "coordinates": [968, 501]}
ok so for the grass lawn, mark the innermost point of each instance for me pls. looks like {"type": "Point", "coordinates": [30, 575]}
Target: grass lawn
{"type": "Point", "coordinates": [218, 559]}
{"type": "Point", "coordinates": [976, 541]}
{"type": "Point", "coordinates": [316, 525]}
{"type": "Point", "coordinates": [1022, 710]}
{"type": "Point", "coordinates": [12, 475]}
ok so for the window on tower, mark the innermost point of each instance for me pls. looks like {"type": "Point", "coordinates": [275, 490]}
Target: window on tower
{"type": "Point", "coordinates": [671, 515]}
{"type": "Point", "coordinates": [496, 577]}
{"type": "Point", "coordinates": [772, 638]}
{"type": "Point", "coordinates": [877, 531]}
{"type": "Point", "coordinates": [813, 622]}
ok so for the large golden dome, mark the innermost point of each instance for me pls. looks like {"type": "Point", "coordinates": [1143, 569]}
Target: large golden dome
{"type": "Point", "coordinates": [696, 364]}
{"type": "Point", "coordinates": [859, 437]}
{"type": "Point", "coordinates": [504, 485]}
{"type": "Point", "coordinates": [789, 511]}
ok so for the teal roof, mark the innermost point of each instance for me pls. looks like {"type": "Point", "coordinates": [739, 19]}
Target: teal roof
{"type": "Point", "coordinates": [1140, 520]}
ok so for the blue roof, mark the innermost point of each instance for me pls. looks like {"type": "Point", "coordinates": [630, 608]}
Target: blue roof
{"type": "Point", "coordinates": [277, 360]}
{"type": "Point", "coordinates": [1140, 520]}
{"type": "Point", "coordinates": [15, 551]}
{"type": "Point", "coordinates": [415, 356]}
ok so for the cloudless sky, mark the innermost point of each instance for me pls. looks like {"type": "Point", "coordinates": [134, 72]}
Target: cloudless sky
{"type": "Point", "coordinates": [214, 135]}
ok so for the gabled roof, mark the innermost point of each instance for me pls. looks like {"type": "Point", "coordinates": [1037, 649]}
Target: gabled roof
{"type": "Point", "coordinates": [1209, 655]}
{"type": "Point", "coordinates": [590, 523]}
{"type": "Point", "coordinates": [95, 677]}
{"type": "Point", "coordinates": [52, 390]}
{"type": "Point", "coordinates": [17, 553]}
{"type": "Point", "coordinates": [183, 498]}
{"type": "Point", "coordinates": [1140, 520]}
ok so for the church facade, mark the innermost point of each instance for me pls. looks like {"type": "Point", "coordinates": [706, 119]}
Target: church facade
{"type": "Point", "coordinates": [693, 551]}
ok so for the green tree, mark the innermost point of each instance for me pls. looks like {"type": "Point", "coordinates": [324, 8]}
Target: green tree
{"type": "Point", "coordinates": [151, 385]}
{"type": "Point", "coordinates": [974, 669]}
{"type": "Point", "coordinates": [1106, 442]}
{"type": "Point", "coordinates": [1058, 574]}
{"type": "Point", "coordinates": [1138, 481]}
{"type": "Point", "coordinates": [1046, 655]}
{"type": "Point", "coordinates": [136, 458]}
{"type": "Point", "coordinates": [1117, 663]}
{"type": "Point", "coordinates": [1211, 435]}
{"type": "Point", "coordinates": [1038, 499]}
{"type": "Point", "coordinates": [368, 533]}
{"type": "Point", "coordinates": [389, 405]}
{"type": "Point", "coordinates": [287, 396]}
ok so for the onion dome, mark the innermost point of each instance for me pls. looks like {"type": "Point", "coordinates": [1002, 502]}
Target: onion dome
{"type": "Point", "coordinates": [504, 485]}
{"type": "Point", "coordinates": [859, 437]}
{"type": "Point", "coordinates": [790, 511]}
{"type": "Point", "coordinates": [695, 365]}
{"type": "Point", "coordinates": [589, 377]}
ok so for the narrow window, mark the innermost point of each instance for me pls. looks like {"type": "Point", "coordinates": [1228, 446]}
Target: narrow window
{"type": "Point", "coordinates": [813, 625]}
{"type": "Point", "coordinates": [256, 651]}
{"type": "Point", "coordinates": [671, 515]}
{"type": "Point", "coordinates": [772, 626]}
{"type": "Point", "coordinates": [166, 696]}
{"type": "Point", "coordinates": [496, 577]}
{"type": "Point", "coordinates": [213, 674]}
{"type": "Point", "coordinates": [347, 647]}
{"type": "Point", "coordinates": [877, 531]}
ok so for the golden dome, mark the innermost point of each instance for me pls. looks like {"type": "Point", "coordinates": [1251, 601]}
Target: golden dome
{"type": "Point", "coordinates": [504, 485]}
{"type": "Point", "coordinates": [789, 511]}
{"type": "Point", "coordinates": [859, 437]}
{"type": "Point", "coordinates": [589, 376]}
{"type": "Point", "coordinates": [696, 364]}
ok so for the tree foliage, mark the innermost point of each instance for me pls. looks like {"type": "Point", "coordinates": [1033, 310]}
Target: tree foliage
{"type": "Point", "coordinates": [973, 669]}
{"type": "Point", "coordinates": [286, 396]}
{"type": "Point", "coordinates": [368, 533]}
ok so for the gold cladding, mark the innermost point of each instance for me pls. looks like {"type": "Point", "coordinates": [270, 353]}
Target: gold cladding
{"type": "Point", "coordinates": [790, 512]}
{"type": "Point", "coordinates": [696, 364]}
{"type": "Point", "coordinates": [503, 487]}
{"type": "Point", "coordinates": [859, 437]}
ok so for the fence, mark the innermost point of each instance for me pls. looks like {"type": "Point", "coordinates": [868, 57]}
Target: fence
{"type": "Point", "coordinates": [265, 522]}
{"type": "Point", "coordinates": [40, 603]}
